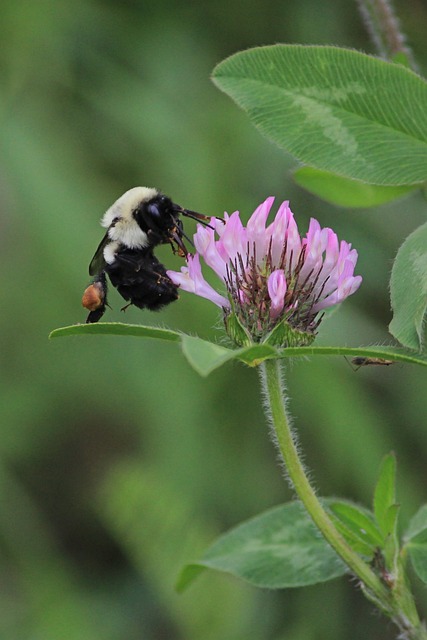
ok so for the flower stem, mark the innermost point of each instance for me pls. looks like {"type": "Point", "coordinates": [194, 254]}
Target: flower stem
{"type": "Point", "coordinates": [374, 589]}
{"type": "Point", "coordinates": [384, 29]}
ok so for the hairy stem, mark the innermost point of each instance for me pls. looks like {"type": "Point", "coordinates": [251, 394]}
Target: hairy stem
{"type": "Point", "coordinates": [405, 617]}
{"type": "Point", "coordinates": [384, 29]}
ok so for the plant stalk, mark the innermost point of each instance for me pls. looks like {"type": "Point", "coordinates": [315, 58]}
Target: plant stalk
{"type": "Point", "coordinates": [406, 617]}
{"type": "Point", "coordinates": [384, 30]}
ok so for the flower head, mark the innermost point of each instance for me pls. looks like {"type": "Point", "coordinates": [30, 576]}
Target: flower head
{"type": "Point", "coordinates": [277, 282]}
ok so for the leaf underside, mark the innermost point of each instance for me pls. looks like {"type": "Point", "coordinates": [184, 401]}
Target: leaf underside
{"type": "Point", "coordinates": [334, 109]}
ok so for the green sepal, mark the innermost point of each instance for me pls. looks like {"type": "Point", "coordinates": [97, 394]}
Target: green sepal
{"type": "Point", "coordinates": [236, 331]}
{"type": "Point", "coordinates": [284, 335]}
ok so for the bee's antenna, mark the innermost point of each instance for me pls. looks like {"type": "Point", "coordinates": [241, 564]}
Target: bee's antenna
{"type": "Point", "coordinates": [200, 217]}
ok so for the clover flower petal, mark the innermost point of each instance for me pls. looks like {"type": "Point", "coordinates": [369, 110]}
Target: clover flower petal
{"type": "Point", "coordinates": [277, 282]}
{"type": "Point", "coordinates": [277, 287]}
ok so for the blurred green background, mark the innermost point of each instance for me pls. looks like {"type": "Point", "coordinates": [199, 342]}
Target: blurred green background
{"type": "Point", "coordinates": [117, 462]}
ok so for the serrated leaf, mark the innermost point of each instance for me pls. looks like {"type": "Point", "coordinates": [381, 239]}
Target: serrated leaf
{"type": "Point", "coordinates": [385, 494]}
{"type": "Point", "coordinates": [345, 192]}
{"type": "Point", "coordinates": [408, 287]}
{"type": "Point", "coordinates": [277, 549]}
{"type": "Point", "coordinates": [334, 109]}
{"type": "Point", "coordinates": [116, 329]}
{"type": "Point", "coordinates": [360, 521]}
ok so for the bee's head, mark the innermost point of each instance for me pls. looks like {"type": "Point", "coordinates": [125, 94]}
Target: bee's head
{"type": "Point", "coordinates": [128, 205]}
{"type": "Point", "coordinates": [156, 214]}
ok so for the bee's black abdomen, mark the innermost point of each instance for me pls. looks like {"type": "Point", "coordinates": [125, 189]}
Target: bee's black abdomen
{"type": "Point", "coordinates": [141, 279]}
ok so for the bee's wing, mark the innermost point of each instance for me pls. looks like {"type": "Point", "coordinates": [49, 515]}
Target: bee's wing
{"type": "Point", "coordinates": [98, 264]}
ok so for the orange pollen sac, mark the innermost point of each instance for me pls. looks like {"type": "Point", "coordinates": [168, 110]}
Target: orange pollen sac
{"type": "Point", "coordinates": [93, 297]}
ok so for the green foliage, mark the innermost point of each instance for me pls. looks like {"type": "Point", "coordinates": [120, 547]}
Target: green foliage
{"type": "Point", "coordinates": [385, 495]}
{"type": "Point", "coordinates": [326, 106]}
{"type": "Point", "coordinates": [157, 529]}
{"type": "Point", "coordinates": [416, 542]}
{"type": "Point", "coordinates": [386, 510]}
{"type": "Point", "coordinates": [206, 356]}
{"type": "Point", "coordinates": [278, 549]}
{"type": "Point", "coordinates": [409, 290]}
{"type": "Point", "coordinates": [117, 329]}
{"type": "Point", "coordinates": [345, 192]}
{"type": "Point", "coordinates": [359, 522]}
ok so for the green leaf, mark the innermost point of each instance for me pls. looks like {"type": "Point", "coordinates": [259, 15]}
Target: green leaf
{"type": "Point", "coordinates": [277, 549]}
{"type": "Point", "coordinates": [205, 356]}
{"type": "Point", "coordinates": [385, 494]}
{"type": "Point", "coordinates": [416, 542]}
{"type": "Point", "coordinates": [396, 354]}
{"type": "Point", "coordinates": [386, 510]}
{"type": "Point", "coordinates": [352, 539]}
{"type": "Point", "coordinates": [408, 286]}
{"type": "Point", "coordinates": [116, 329]}
{"type": "Point", "coordinates": [334, 109]}
{"type": "Point", "coordinates": [417, 524]}
{"type": "Point", "coordinates": [359, 521]}
{"type": "Point", "coordinates": [345, 192]}
{"type": "Point", "coordinates": [417, 549]}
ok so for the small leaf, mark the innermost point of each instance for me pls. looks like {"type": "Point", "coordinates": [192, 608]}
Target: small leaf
{"type": "Point", "coordinates": [345, 192]}
{"type": "Point", "coordinates": [277, 549]}
{"type": "Point", "coordinates": [417, 524]}
{"type": "Point", "coordinates": [385, 494]}
{"type": "Point", "coordinates": [391, 543]}
{"type": "Point", "coordinates": [205, 356]}
{"type": "Point", "coordinates": [416, 542]}
{"type": "Point", "coordinates": [417, 549]}
{"type": "Point", "coordinates": [408, 287]}
{"type": "Point", "coordinates": [116, 329]}
{"type": "Point", "coordinates": [334, 109]}
{"type": "Point", "coordinates": [352, 539]}
{"type": "Point", "coordinates": [360, 521]}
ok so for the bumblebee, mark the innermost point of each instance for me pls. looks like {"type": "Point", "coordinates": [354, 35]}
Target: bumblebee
{"type": "Point", "coordinates": [140, 220]}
